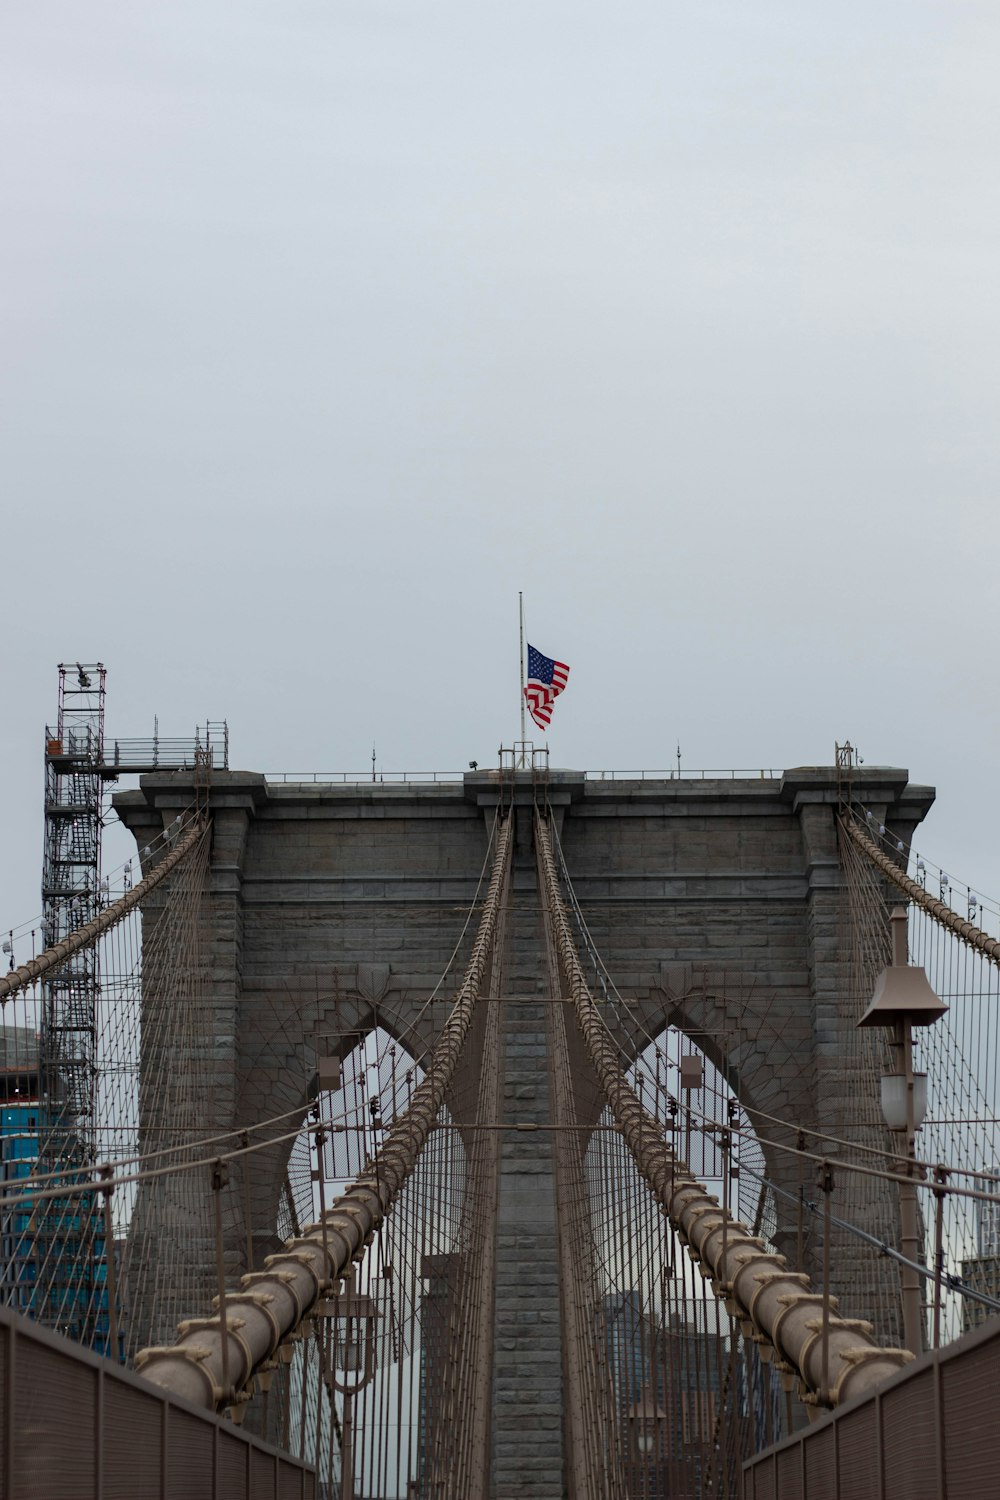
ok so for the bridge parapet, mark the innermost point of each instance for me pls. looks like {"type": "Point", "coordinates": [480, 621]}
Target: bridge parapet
{"type": "Point", "coordinates": [927, 1433]}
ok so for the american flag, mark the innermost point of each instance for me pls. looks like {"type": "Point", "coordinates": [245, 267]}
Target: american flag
{"type": "Point", "coordinates": [546, 680]}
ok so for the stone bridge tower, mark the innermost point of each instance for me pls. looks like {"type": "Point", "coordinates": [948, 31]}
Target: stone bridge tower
{"type": "Point", "coordinates": [718, 906]}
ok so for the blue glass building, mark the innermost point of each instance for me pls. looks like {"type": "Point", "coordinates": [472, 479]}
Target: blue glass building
{"type": "Point", "coordinates": [53, 1256]}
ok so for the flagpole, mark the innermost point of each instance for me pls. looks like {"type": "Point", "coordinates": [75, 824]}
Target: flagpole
{"type": "Point", "coordinates": [520, 611]}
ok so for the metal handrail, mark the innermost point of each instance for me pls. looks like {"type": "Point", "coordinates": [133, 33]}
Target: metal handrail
{"type": "Point", "coordinates": [676, 773]}
{"type": "Point", "coordinates": [358, 778]}
{"type": "Point", "coordinates": [133, 755]}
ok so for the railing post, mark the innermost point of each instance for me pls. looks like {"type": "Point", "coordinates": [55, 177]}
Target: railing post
{"type": "Point", "coordinates": [939, 1190]}
{"type": "Point", "coordinates": [826, 1187]}
{"type": "Point", "coordinates": [111, 1282]}
{"type": "Point", "coordinates": [10, 1425]}
{"type": "Point", "coordinates": [220, 1176]}
{"type": "Point", "coordinates": [800, 1225]}
{"type": "Point", "coordinates": [724, 1146]}
{"type": "Point", "coordinates": [245, 1176]}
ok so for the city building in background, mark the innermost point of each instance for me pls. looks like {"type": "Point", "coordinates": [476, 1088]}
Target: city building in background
{"type": "Point", "coordinates": [981, 1271]}
{"type": "Point", "coordinates": [667, 1375]}
{"type": "Point", "coordinates": [54, 1254]}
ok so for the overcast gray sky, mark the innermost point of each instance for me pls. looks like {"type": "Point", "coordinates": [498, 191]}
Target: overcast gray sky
{"type": "Point", "coordinates": [327, 326]}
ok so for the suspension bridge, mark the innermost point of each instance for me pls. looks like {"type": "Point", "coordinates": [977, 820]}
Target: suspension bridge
{"type": "Point", "coordinates": [504, 1134]}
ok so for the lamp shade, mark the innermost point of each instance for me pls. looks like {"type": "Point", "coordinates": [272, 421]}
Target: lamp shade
{"type": "Point", "coordinates": [903, 993]}
{"type": "Point", "coordinates": [894, 1100]}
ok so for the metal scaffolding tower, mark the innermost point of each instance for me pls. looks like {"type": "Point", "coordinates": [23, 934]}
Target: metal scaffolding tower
{"type": "Point", "coordinates": [74, 789]}
{"type": "Point", "coordinates": [68, 1280]}
{"type": "Point", "coordinates": [70, 1250]}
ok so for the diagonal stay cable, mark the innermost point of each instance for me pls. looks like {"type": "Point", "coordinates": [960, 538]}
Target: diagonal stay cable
{"type": "Point", "coordinates": [969, 933]}
{"type": "Point", "coordinates": [950, 1279]}
{"type": "Point", "coordinates": [85, 937]}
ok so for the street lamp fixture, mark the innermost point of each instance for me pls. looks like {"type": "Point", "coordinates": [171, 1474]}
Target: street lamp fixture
{"type": "Point", "coordinates": [902, 999]}
{"type": "Point", "coordinates": [351, 1347]}
{"type": "Point", "coordinates": [646, 1419]}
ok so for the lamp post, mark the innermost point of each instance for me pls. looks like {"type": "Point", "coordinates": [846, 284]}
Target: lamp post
{"type": "Point", "coordinates": [645, 1419]}
{"type": "Point", "coordinates": [353, 1318]}
{"type": "Point", "coordinates": [901, 1000]}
